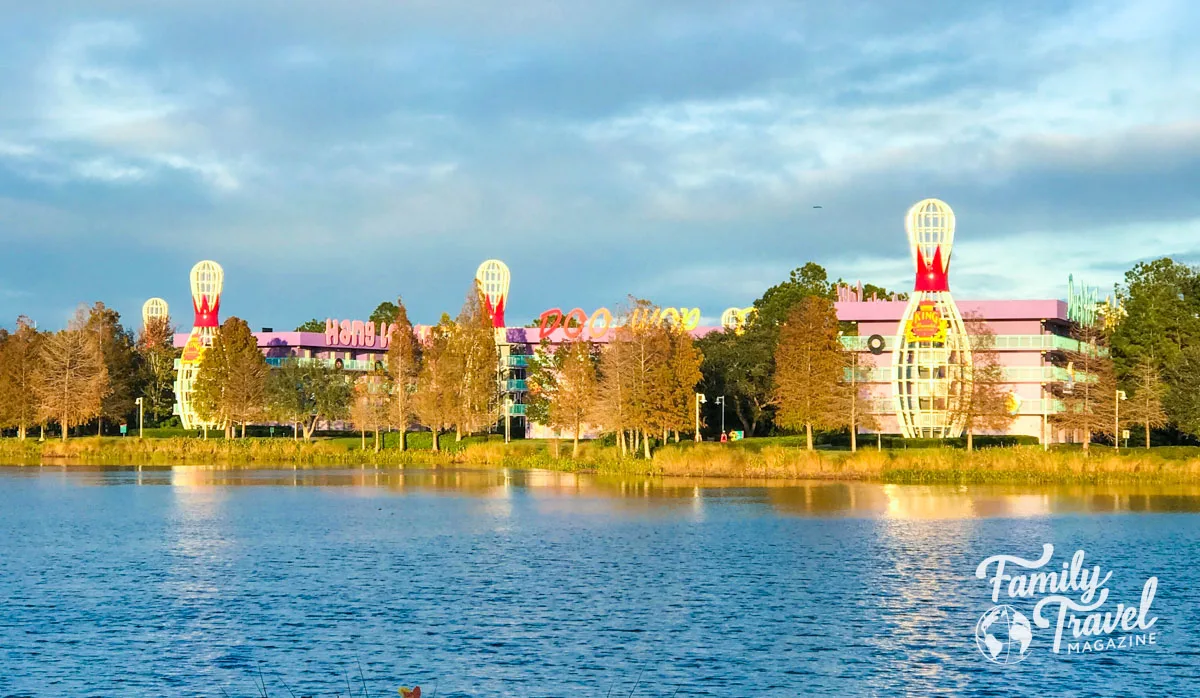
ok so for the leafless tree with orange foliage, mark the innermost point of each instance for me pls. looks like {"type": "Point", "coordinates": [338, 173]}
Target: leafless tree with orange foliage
{"type": "Point", "coordinates": [810, 369]}
{"type": "Point", "coordinates": [19, 376]}
{"type": "Point", "coordinates": [403, 365]}
{"type": "Point", "coordinates": [1089, 395]}
{"type": "Point", "coordinates": [72, 380]}
{"type": "Point", "coordinates": [434, 401]}
{"type": "Point", "coordinates": [982, 400]}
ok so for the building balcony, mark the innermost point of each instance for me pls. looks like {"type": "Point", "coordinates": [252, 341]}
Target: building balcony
{"type": "Point", "coordinates": [1004, 342]}
{"type": "Point", "coordinates": [1012, 374]}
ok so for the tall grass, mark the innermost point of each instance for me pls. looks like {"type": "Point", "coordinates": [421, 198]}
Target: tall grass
{"type": "Point", "coordinates": [1019, 464]}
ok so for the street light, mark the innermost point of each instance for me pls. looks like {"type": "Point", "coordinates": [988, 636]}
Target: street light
{"type": "Point", "coordinates": [699, 401]}
{"type": "Point", "coordinates": [1117, 420]}
{"type": "Point", "coordinates": [141, 411]}
{"type": "Point", "coordinates": [721, 402]}
{"type": "Point", "coordinates": [508, 403]}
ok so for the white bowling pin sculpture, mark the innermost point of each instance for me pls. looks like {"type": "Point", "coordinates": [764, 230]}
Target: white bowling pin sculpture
{"type": "Point", "coordinates": [207, 279]}
{"type": "Point", "coordinates": [931, 361]}
{"type": "Point", "coordinates": [493, 278]}
{"type": "Point", "coordinates": [153, 309]}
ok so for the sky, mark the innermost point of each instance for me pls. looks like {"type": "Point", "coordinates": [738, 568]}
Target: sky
{"type": "Point", "coordinates": [334, 155]}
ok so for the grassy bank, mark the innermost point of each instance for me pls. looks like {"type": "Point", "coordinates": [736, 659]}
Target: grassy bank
{"type": "Point", "coordinates": [1019, 464]}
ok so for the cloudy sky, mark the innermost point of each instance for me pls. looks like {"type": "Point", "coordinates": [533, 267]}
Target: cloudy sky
{"type": "Point", "coordinates": [333, 155]}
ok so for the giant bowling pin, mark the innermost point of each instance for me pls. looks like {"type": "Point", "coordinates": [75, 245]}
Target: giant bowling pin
{"type": "Point", "coordinates": [153, 310]}
{"type": "Point", "coordinates": [207, 279]}
{"type": "Point", "coordinates": [493, 277]}
{"type": "Point", "coordinates": [931, 362]}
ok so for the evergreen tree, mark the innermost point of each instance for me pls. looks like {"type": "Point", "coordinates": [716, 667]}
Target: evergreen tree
{"type": "Point", "coordinates": [313, 325]}
{"type": "Point", "coordinates": [1182, 395]}
{"type": "Point", "coordinates": [385, 314]}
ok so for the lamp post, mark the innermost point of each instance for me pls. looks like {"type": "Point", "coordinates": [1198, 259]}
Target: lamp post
{"type": "Point", "coordinates": [508, 403]}
{"type": "Point", "coordinates": [699, 401]}
{"type": "Point", "coordinates": [1117, 420]}
{"type": "Point", "coordinates": [141, 411]}
{"type": "Point", "coordinates": [721, 402]}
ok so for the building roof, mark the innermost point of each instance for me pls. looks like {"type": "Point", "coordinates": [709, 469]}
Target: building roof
{"type": "Point", "coordinates": [892, 311]}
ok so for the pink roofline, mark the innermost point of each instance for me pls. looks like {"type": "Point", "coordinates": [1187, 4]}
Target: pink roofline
{"type": "Point", "coordinates": [854, 311]}
{"type": "Point", "coordinates": [884, 311]}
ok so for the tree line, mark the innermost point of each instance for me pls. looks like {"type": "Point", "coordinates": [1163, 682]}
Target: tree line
{"type": "Point", "coordinates": [88, 373]}
{"type": "Point", "coordinates": [449, 380]}
{"type": "Point", "coordinates": [785, 371]}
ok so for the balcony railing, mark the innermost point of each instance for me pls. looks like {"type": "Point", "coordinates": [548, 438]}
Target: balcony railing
{"type": "Point", "coordinates": [518, 360]}
{"type": "Point", "coordinates": [1003, 342]}
{"type": "Point", "coordinates": [1012, 374]}
{"type": "Point", "coordinates": [515, 385]}
{"type": "Point", "coordinates": [1027, 407]}
{"type": "Point", "coordinates": [347, 364]}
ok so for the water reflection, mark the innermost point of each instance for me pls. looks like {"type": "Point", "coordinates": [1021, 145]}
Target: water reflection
{"type": "Point", "coordinates": [200, 489]}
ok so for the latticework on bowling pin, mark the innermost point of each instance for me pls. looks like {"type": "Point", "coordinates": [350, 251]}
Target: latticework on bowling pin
{"type": "Point", "coordinates": [493, 279]}
{"type": "Point", "coordinates": [207, 280]}
{"type": "Point", "coordinates": [931, 364]}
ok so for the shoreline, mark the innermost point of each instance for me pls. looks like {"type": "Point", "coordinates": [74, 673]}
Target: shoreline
{"type": "Point", "coordinates": [1003, 465]}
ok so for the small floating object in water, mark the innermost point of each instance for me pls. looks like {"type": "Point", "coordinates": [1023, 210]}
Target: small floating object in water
{"type": "Point", "coordinates": [414, 692]}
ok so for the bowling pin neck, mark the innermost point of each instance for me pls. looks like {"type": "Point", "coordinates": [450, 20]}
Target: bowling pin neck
{"type": "Point", "coordinates": [932, 274]}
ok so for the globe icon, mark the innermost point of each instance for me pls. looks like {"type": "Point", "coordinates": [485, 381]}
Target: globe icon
{"type": "Point", "coordinates": [1003, 635]}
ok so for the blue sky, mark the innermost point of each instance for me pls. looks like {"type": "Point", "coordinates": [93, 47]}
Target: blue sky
{"type": "Point", "coordinates": [331, 156]}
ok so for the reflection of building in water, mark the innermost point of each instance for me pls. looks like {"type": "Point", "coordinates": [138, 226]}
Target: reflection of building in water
{"type": "Point", "coordinates": [911, 502]}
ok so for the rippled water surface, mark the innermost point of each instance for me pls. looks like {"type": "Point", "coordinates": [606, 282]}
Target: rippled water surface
{"type": "Point", "coordinates": [188, 581]}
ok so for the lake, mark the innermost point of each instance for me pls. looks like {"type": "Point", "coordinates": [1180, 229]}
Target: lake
{"type": "Point", "coordinates": [191, 581]}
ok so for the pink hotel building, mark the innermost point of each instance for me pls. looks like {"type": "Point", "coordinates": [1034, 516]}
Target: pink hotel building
{"type": "Point", "coordinates": [1030, 337]}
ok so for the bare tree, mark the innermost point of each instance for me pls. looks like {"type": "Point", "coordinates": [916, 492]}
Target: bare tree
{"type": "Point", "coordinates": [369, 405]}
{"type": "Point", "coordinates": [853, 400]}
{"type": "Point", "coordinates": [572, 392]}
{"type": "Point", "coordinates": [435, 401]}
{"type": "Point", "coordinates": [19, 376]}
{"type": "Point", "coordinates": [1145, 406]}
{"type": "Point", "coordinates": [1089, 394]}
{"type": "Point", "coordinates": [71, 378]}
{"type": "Point", "coordinates": [982, 401]}
{"type": "Point", "coordinates": [403, 368]}
{"type": "Point", "coordinates": [472, 350]}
